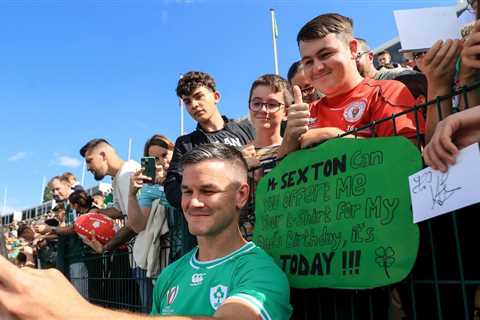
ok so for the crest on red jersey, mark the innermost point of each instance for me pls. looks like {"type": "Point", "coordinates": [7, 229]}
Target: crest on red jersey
{"type": "Point", "coordinates": [354, 111]}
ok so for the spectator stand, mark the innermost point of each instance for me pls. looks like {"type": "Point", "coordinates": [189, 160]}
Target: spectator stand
{"type": "Point", "coordinates": [33, 212]}
{"type": "Point", "coordinates": [7, 219]}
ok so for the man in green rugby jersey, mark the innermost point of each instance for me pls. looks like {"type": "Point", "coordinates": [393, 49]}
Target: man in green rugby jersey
{"type": "Point", "coordinates": [225, 277]}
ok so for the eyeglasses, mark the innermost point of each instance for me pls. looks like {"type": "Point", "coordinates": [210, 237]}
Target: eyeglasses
{"type": "Point", "coordinates": [417, 55]}
{"type": "Point", "coordinates": [271, 107]}
{"type": "Point", "coordinates": [360, 54]}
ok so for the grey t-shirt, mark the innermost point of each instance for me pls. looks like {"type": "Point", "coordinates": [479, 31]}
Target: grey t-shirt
{"type": "Point", "coordinates": [391, 74]}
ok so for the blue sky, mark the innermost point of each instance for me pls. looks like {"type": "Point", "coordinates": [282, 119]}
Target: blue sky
{"type": "Point", "coordinates": [74, 70]}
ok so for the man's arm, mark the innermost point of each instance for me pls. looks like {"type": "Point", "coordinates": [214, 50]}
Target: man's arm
{"type": "Point", "coordinates": [438, 65]}
{"type": "Point", "coordinates": [122, 236]}
{"type": "Point", "coordinates": [452, 134]}
{"type": "Point", "coordinates": [231, 310]}
{"type": "Point", "coordinates": [317, 135]}
{"type": "Point", "coordinates": [469, 69]}
{"type": "Point", "coordinates": [111, 212]}
{"type": "Point", "coordinates": [49, 295]}
{"type": "Point", "coordinates": [62, 231]}
{"type": "Point", "coordinates": [137, 216]}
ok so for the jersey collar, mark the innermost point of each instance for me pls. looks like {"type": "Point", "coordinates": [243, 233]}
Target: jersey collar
{"type": "Point", "coordinates": [196, 264]}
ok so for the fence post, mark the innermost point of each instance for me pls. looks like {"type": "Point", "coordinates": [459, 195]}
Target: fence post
{"type": "Point", "coordinates": [3, 247]}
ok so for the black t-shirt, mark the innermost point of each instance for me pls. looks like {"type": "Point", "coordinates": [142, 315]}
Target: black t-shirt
{"type": "Point", "coordinates": [234, 133]}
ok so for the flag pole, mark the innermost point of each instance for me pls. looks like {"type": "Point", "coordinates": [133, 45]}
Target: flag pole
{"type": "Point", "coordinates": [180, 104]}
{"type": "Point", "coordinates": [129, 148]}
{"type": "Point", "coordinates": [4, 201]}
{"type": "Point", "coordinates": [83, 172]}
{"type": "Point", "coordinates": [274, 39]}
{"type": "Point", "coordinates": [42, 194]}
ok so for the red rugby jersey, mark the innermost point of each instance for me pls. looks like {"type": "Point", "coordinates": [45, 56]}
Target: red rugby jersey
{"type": "Point", "coordinates": [370, 100]}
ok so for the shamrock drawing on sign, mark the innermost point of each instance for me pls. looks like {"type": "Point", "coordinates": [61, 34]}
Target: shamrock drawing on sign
{"type": "Point", "coordinates": [384, 257]}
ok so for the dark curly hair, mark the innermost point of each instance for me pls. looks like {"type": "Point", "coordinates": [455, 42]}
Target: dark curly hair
{"type": "Point", "coordinates": [192, 80]}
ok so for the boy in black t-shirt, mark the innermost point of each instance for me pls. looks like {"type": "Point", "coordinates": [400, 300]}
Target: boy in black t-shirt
{"type": "Point", "coordinates": [200, 96]}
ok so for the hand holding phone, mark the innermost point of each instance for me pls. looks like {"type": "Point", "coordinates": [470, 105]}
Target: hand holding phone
{"type": "Point", "coordinates": [149, 170]}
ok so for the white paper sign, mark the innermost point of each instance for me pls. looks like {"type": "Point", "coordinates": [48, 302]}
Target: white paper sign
{"type": "Point", "coordinates": [421, 28]}
{"type": "Point", "coordinates": [434, 193]}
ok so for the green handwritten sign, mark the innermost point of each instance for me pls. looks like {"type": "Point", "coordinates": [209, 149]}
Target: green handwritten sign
{"type": "Point", "coordinates": [339, 215]}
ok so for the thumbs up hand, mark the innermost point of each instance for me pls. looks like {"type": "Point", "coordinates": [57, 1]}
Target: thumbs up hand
{"type": "Point", "coordinates": [298, 118]}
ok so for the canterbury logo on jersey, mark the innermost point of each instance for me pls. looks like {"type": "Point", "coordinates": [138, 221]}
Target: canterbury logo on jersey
{"type": "Point", "coordinates": [197, 279]}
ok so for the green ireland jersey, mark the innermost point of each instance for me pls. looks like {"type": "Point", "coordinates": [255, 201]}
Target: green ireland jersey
{"type": "Point", "coordinates": [190, 287]}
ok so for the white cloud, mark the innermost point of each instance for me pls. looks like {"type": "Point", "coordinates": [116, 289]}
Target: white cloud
{"type": "Point", "coordinates": [66, 161]}
{"type": "Point", "coordinates": [69, 162]}
{"type": "Point", "coordinates": [17, 156]}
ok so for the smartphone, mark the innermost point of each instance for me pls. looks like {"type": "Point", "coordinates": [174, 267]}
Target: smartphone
{"type": "Point", "coordinates": [149, 169]}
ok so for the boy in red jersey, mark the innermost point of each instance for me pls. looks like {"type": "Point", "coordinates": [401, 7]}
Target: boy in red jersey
{"type": "Point", "coordinates": [329, 51]}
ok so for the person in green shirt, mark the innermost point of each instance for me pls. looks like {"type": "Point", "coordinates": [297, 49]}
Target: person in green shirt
{"type": "Point", "coordinates": [225, 277]}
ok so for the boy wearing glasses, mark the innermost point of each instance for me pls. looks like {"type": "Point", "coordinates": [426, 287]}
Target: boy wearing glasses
{"type": "Point", "coordinates": [200, 96]}
{"type": "Point", "coordinates": [329, 53]}
{"type": "Point", "coordinates": [267, 110]}
{"type": "Point", "coordinates": [266, 103]}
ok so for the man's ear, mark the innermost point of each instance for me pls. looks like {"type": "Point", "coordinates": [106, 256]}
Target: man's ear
{"type": "Point", "coordinates": [371, 56]}
{"type": "Point", "coordinates": [353, 46]}
{"type": "Point", "coordinates": [216, 95]}
{"type": "Point", "coordinates": [242, 196]}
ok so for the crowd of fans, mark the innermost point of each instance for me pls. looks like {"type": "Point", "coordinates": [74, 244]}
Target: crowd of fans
{"type": "Point", "coordinates": [26, 245]}
{"type": "Point", "coordinates": [334, 91]}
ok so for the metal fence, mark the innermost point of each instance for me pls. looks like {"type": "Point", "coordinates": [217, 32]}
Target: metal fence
{"type": "Point", "coordinates": [115, 281]}
{"type": "Point", "coordinates": [443, 284]}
